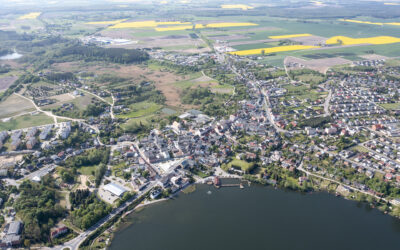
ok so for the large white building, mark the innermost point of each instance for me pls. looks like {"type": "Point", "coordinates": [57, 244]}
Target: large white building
{"type": "Point", "coordinates": [115, 189]}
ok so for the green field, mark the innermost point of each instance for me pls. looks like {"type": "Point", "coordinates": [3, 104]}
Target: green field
{"type": "Point", "coordinates": [244, 165]}
{"type": "Point", "coordinates": [141, 109]}
{"type": "Point", "coordinates": [390, 106]}
{"type": "Point", "coordinates": [26, 121]}
{"type": "Point", "coordinates": [87, 170]}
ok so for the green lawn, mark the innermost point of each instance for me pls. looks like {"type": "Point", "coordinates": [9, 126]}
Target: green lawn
{"type": "Point", "coordinates": [141, 109]}
{"type": "Point", "coordinates": [87, 170]}
{"type": "Point", "coordinates": [360, 149]}
{"type": "Point", "coordinates": [390, 106]}
{"type": "Point", "coordinates": [26, 121]}
{"type": "Point", "coordinates": [244, 165]}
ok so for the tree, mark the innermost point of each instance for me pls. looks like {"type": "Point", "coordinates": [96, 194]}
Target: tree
{"type": "Point", "coordinates": [27, 243]}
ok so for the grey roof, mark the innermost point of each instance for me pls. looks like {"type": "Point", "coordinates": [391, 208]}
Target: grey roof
{"type": "Point", "coordinates": [14, 228]}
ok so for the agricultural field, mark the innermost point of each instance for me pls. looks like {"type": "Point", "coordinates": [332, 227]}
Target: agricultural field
{"type": "Point", "coordinates": [237, 6]}
{"type": "Point", "coordinates": [32, 15]}
{"type": "Point", "coordinates": [271, 50]}
{"type": "Point", "coordinates": [343, 40]}
{"type": "Point", "coordinates": [320, 65]}
{"type": "Point", "coordinates": [6, 81]}
{"type": "Point", "coordinates": [368, 22]}
{"type": "Point", "coordinates": [15, 105]}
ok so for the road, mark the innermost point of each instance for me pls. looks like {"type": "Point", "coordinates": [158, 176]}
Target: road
{"type": "Point", "coordinates": [350, 161]}
{"type": "Point", "coordinates": [300, 168]}
{"type": "Point", "coordinates": [104, 100]}
{"type": "Point", "coordinates": [326, 104]}
{"type": "Point", "coordinates": [75, 243]}
{"type": "Point", "coordinates": [269, 114]}
{"type": "Point", "coordinates": [40, 172]}
{"type": "Point", "coordinates": [48, 113]}
{"type": "Point", "coordinates": [286, 70]}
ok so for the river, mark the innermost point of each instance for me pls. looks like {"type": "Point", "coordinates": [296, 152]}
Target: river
{"type": "Point", "coordinates": [257, 218]}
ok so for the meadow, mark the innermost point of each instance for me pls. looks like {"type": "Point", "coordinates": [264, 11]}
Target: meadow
{"type": "Point", "coordinates": [26, 121]}
{"type": "Point", "coordinates": [141, 109]}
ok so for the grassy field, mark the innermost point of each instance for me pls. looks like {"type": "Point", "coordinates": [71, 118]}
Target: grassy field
{"type": "Point", "coordinates": [309, 78]}
{"type": "Point", "coordinates": [141, 109]}
{"type": "Point", "coordinates": [87, 170]}
{"type": "Point", "coordinates": [390, 106]}
{"type": "Point", "coordinates": [26, 121]}
{"type": "Point", "coordinates": [302, 92]}
{"type": "Point", "coordinates": [360, 149]}
{"type": "Point", "coordinates": [244, 165]}
{"type": "Point", "coordinates": [14, 105]}
{"type": "Point", "coordinates": [144, 120]}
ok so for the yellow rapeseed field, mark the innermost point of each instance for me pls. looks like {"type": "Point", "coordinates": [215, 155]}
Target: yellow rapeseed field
{"type": "Point", "coordinates": [367, 22]}
{"type": "Point", "coordinates": [289, 36]}
{"type": "Point", "coordinates": [317, 2]}
{"type": "Point", "coordinates": [370, 40]}
{"type": "Point", "coordinates": [236, 6]}
{"type": "Point", "coordinates": [108, 22]}
{"type": "Point", "coordinates": [395, 4]}
{"type": "Point", "coordinates": [32, 15]}
{"type": "Point", "coordinates": [173, 28]}
{"type": "Point", "coordinates": [271, 50]}
{"type": "Point", "coordinates": [144, 24]}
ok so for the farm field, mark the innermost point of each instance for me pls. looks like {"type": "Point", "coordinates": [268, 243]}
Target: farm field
{"type": "Point", "coordinates": [26, 121]}
{"type": "Point", "coordinates": [368, 22]}
{"type": "Point", "coordinates": [80, 102]}
{"type": "Point", "coordinates": [32, 15]}
{"type": "Point", "coordinates": [347, 52]}
{"type": "Point", "coordinates": [271, 50]}
{"type": "Point", "coordinates": [15, 105]}
{"type": "Point", "coordinates": [343, 40]}
{"type": "Point", "coordinates": [236, 6]}
{"type": "Point", "coordinates": [6, 81]}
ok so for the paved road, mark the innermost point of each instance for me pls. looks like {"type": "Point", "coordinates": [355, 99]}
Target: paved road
{"type": "Point", "coordinates": [40, 172]}
{"type": "Point", "coordinates": [74, 243]}
{"type": "Point", "coordinates": [350, 161]}
{"type": "Point", "coordinates": [300, 168]}
{"type": "Point", "coordinates": [326, 104]}
{"type": "Point", "coordinates": [104, 100]}
{"type": "Point", "coordinates": [48, 113]}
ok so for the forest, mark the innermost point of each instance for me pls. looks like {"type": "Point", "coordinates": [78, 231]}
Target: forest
{"type": "Point", "coordinates": [116, 55]}
{"type": "Point", "coordinates": [38, 208]}
{"type": "Point", "coordinates": [89, 210]}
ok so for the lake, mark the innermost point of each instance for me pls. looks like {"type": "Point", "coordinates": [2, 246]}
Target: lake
{"type": "Point", "coordinates": [12, 56]}
{"type": "Point", "coordinates": [257, 218]}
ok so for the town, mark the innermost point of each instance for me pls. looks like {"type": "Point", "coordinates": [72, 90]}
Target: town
{"type": "Point", "coordinates": [107, 130]}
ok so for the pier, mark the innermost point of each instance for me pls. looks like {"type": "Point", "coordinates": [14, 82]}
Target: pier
{"type": "Point", "coordinates": [217, 183]}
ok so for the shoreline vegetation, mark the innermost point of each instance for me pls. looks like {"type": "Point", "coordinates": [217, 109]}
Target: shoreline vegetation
{"type": "Point", "coordinates": [356, 196]}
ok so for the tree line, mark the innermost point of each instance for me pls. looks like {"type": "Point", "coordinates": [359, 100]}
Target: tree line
{"type": "Point", "coordinates": [116, 55]}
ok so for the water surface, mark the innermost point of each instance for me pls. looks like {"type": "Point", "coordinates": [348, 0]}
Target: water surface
{"type": "Point", "coordinates": [12, 56]}
{"type": "Point", "coordinates": [258, 218]}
